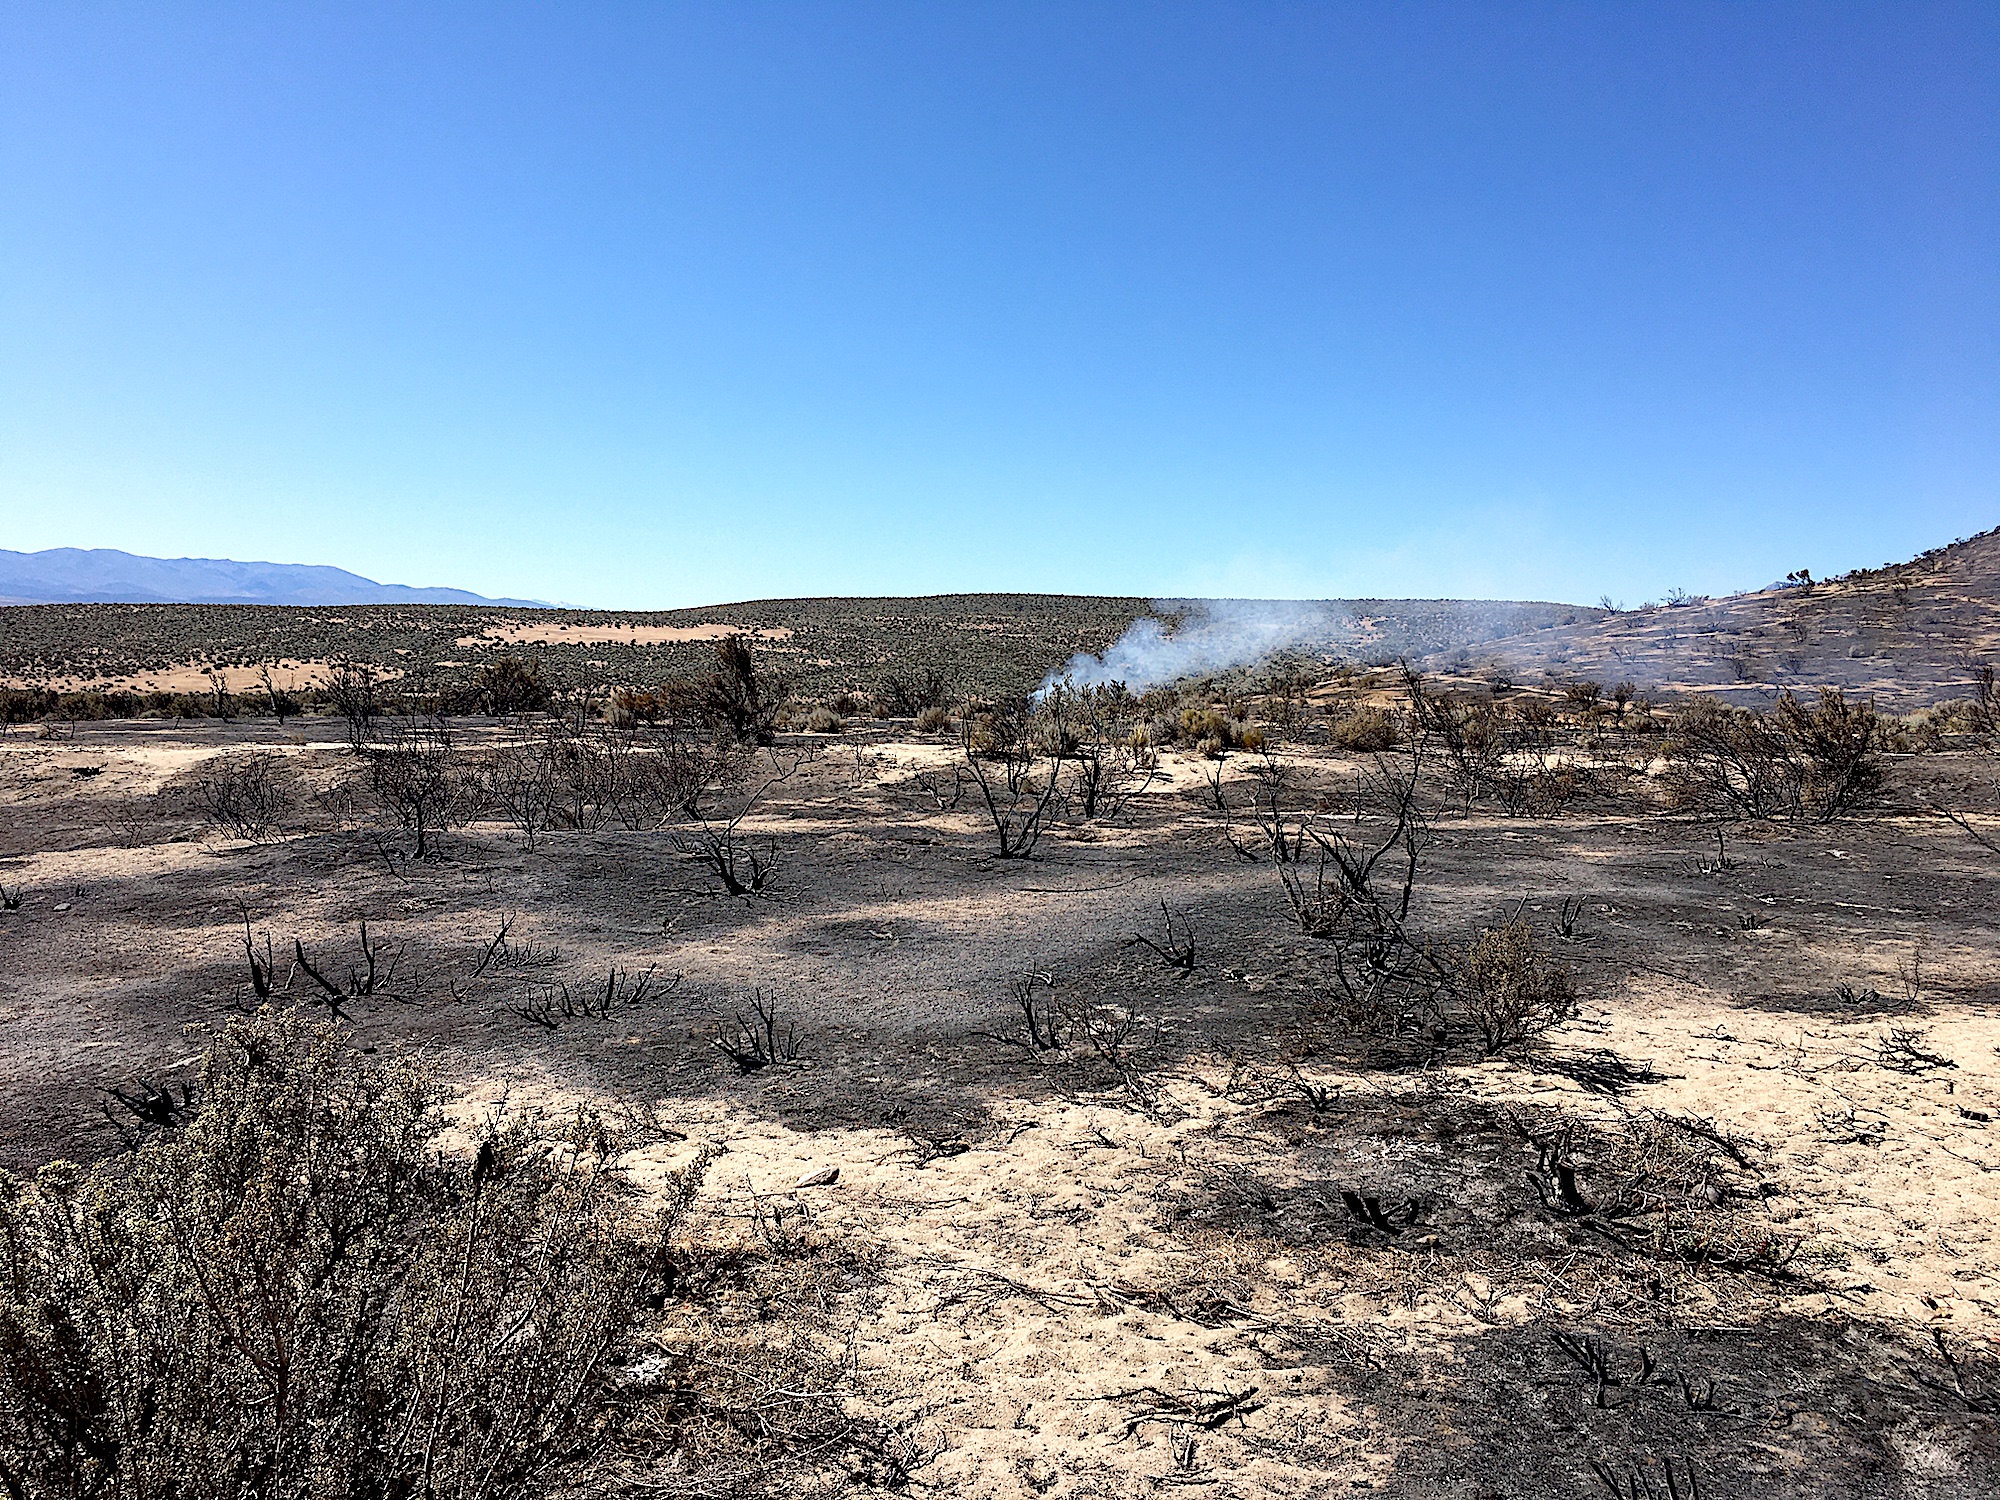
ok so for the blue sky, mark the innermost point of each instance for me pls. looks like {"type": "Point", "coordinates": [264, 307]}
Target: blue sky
{"type": "Point", "coordinates": [655, 305]}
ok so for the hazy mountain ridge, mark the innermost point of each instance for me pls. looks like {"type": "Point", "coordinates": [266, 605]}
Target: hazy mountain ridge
{"type": "Point", "coordinates": [103, 575]}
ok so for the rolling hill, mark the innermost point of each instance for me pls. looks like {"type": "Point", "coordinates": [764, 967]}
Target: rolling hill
{"type": "Point", "coordinates": [1907, 635]}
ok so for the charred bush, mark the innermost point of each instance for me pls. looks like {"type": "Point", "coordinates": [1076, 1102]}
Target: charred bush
{"type": "Point", "coordinates": [1090, 730]}
{"type": "Point", "coordinates": [1018, 786]}
{"type": "Point", "coordinates": [248, 792]}
{"type": "Point", "coordinates": [1469, 736]}
{"type": "Point", "coordinates": [756, 1041]}
{"type": "Point", "coordinates": [419, 779]}
{"type": "Point", "coordinates": [1795, 763]}
{"type": "Point", "coordinates": [353, 695]}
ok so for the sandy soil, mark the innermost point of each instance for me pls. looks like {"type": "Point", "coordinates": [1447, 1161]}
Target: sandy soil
{"type": "Point", "coordinates": [193, 677]}
{"type": "Point", "coordinates": [1040, 1273]}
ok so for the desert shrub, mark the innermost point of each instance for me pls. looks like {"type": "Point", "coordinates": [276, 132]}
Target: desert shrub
{"type": "Point", "coordinates": [25, 705]}
{"type": "Point", "coordinates": [1198, 725]}
{"type": "Point", "coordinates": [93, 704]}
{"type": "Point", "coordinates": [1511, 989]}
{"type": "Point", "coordinates": [1286, 681]}
{"type": "Point", "coordinates": [736, 699]}
{"type": "Point", "coordinates": [247, 792]}
{"type": "Point", "coordinates": [1583, 694]}
{"type": "Point", "coordinates": [933, 718]}
{"type": "Point", "coordinates": [1793, 763]}
{"type": "Point", "coordinates": [509, 686]}
{"type": "Point", "coordinates": [298, 1295]}
{"type": "Point", "coordinates": [1365, 730]}
{"type": "Point", "coordinates": [824, 720]}
{"type": "Point", "coordinates": [905, 695]}
{"type": "Point", "coordinates": [634, 706]}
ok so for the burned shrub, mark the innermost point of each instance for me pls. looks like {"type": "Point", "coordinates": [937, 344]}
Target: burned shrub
{"type": "Point", "coordinates": [1090, 729]}
{"type": "Point", "coordinates": [351, 692]}
{"type": "Point", "coordinates": [1795, 763]}
{"type": "Point", "coordinates": [1673, 1187]}
{"type": "Point", "coordinates": [247, 792]}
{"type": "Point", "coordinates": [1470, 736]}
{"type": "Point", "coordinates": [756, 1041]}
{"type": "Point", "coordinates": [1541, 783]}
{"type": "Point", "coordinates": [297, 1295]}
{"type": "Point", "coordinates": [419, 780]}
{"type": "Point", "coordinates": [716, 843]}
{"type": "Point", "coordinates": [1016, 785]}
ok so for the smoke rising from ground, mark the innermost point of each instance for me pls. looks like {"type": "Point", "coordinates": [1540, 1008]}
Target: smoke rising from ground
{"type": "Point", "coordinates": [1213, 635]}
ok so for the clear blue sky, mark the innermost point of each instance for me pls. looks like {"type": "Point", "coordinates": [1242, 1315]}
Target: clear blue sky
{"type": "Point", "coordinates": [656, 304]}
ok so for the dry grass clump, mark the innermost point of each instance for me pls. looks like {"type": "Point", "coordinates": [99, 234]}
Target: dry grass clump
{"type": "Point", "coordinates": [821, 719]}
{"type": "Point", "coordinates": [1364, 729]}
{"type": "Point", "coordinates": [749, 1389]}
{"type": "Point", "coordinates": [298, 1295]}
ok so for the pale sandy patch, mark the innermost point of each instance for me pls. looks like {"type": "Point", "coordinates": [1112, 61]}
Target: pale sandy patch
{"type": "Point", "coordinates": [537, 633]}
{"type": "Point", "coordinates": [192, 677]}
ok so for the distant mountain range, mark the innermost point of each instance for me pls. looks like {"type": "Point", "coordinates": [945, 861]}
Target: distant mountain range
{"type": "Point", "coordinates": [99, 575]}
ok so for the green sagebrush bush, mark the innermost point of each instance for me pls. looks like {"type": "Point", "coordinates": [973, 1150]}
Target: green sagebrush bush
{"type": "Point", "coordinates": [300, 1296]}
{"type": "Point", "coordinates": [1512, 989]}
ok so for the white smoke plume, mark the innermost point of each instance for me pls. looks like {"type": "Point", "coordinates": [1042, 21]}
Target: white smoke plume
{"type": "Point", "coordinates": [1212, 636]}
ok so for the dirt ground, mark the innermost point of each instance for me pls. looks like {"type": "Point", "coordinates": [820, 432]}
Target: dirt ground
{"type": "Point", "coordinates": [1212, 1255]}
